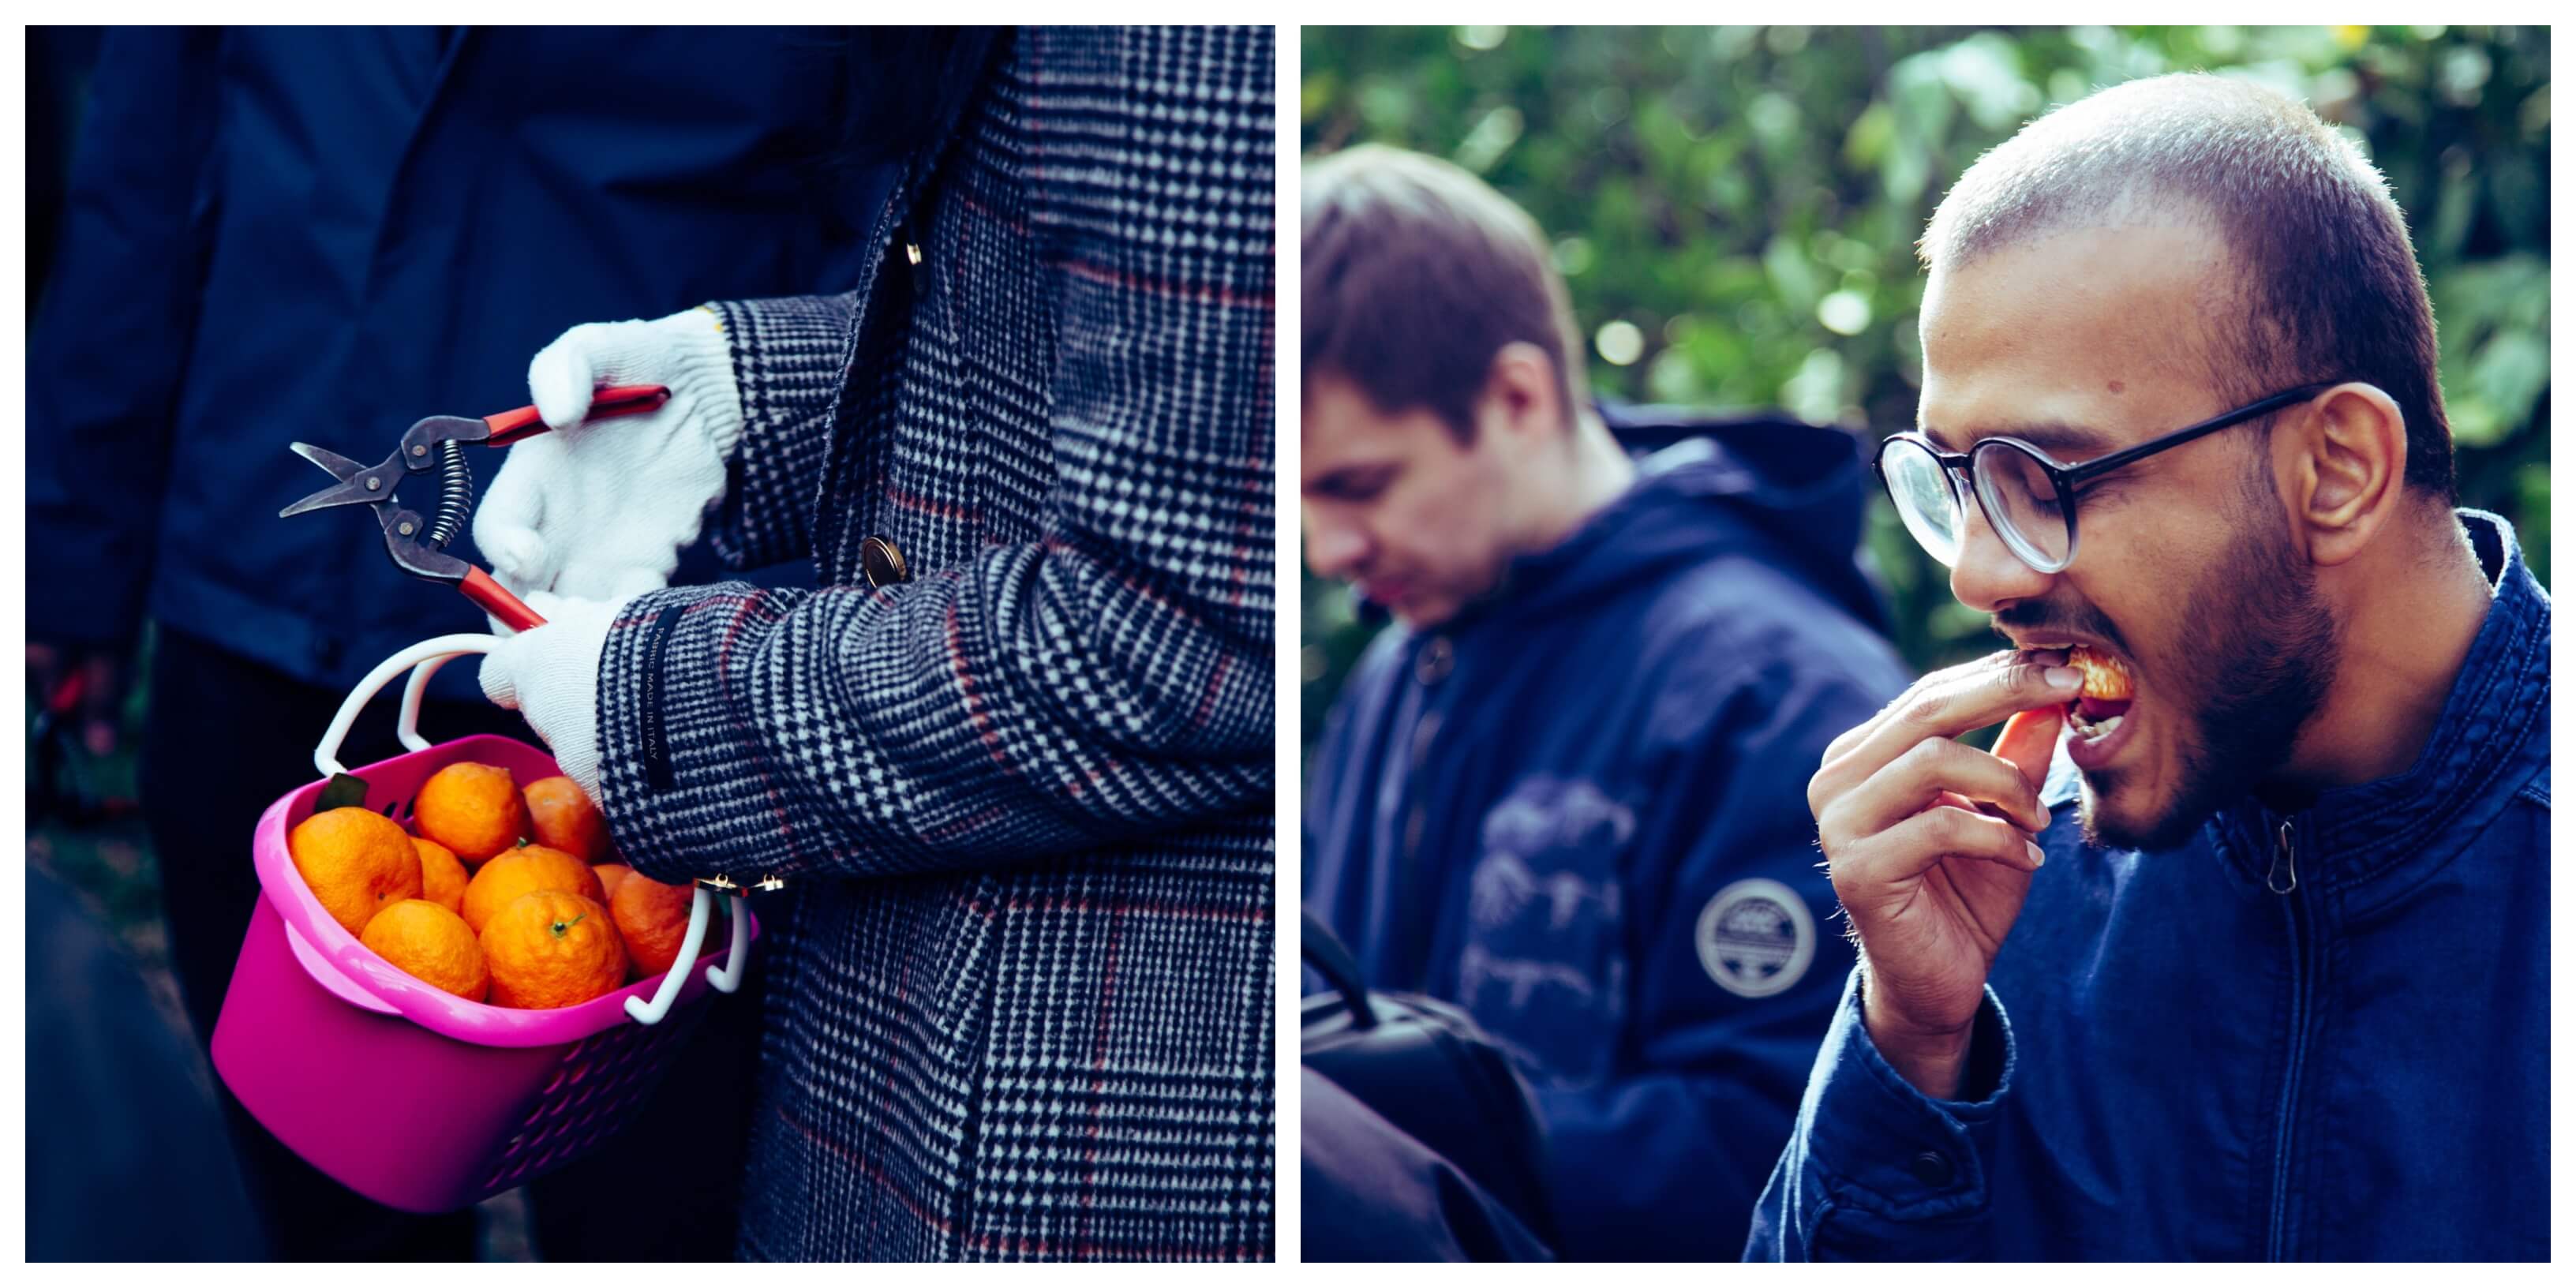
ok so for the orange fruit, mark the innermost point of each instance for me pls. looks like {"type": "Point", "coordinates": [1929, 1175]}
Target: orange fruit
{"type": "Point", "coordinates": [609, 875]}
{"type": "Point", "coordinates": [432, 945]}
{"type": "Point", "coordinates": [525, 870]}
{"type": "Point", "coordinates": [561, 817]}
{"type": "Point", "coordinates": [549, 949]}
{"type": "Point", "coordinates": [355, 861]}
{"type": "Point", "coordinates": [442, 874]}
{"type": "Point", "coordinates": [652, 918]}
{"type": "Point", "coordinates": [472, 809]}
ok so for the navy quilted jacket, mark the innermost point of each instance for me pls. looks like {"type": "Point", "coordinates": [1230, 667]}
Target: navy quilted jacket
{"type": "Point", "coordinates": [1021, 984]}
{"type": "Point", "coordinates": [326, 233]}
{"type": "Point", "coordinates": [2320, 1036]}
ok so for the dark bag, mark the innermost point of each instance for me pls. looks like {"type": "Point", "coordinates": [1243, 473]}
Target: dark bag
{"type": "Point", "coordinates": [1425, 1066]}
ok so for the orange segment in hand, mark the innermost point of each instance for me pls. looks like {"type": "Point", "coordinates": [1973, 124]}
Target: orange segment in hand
{"type": "Point", "coordinates": [2029, 741]}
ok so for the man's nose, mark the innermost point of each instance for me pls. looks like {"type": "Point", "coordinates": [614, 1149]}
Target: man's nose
{"type": "Point", "coordinates": [1334, 547]}
{"type": "Point", "coordinates": [1989, 577]}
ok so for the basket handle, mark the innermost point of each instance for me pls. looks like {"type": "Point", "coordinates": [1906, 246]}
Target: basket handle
{"type": "Point", "coordinates": [407, 725]}
{"type": "Point", "coordinates": [431, 654]}
{"type": "Point", "coordinates": [435, 653]}
{"type": "Point", "coordinates": [723, 979]}
{"type": "Point", "coordinates": [728, 977]}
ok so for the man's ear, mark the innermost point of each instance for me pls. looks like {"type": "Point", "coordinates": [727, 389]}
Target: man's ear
{"type": "Point", "coordinates": [1521, 397]}
{"type": "Point", "coordinates": [2346, 469]}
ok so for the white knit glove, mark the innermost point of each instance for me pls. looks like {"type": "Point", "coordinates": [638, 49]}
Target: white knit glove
{"type": "Point", "coordinates": [550, 676]}
{"type": "Point", "coordinates": [602, 511]}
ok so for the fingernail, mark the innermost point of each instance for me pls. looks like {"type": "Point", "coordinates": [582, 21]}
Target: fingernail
{"type": "Point", "coordinates": [2037, 855]}
{"type": "Point", "coordinates": [2063, 677]}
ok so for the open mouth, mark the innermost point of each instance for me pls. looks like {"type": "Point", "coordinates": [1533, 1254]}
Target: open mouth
{"type": "Point", "coordinates": [2102, 706]}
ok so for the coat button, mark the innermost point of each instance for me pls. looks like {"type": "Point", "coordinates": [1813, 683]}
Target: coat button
{"type": "Point", "coordinates": [1435, 661]}
{"type": "Point", "coordinates": [882, 563]}
{"type": "Point", "coordinates": [1932, 1169]}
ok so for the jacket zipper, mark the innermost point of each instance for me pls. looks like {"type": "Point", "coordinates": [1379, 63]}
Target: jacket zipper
{"type": "Point", "coordinates": [2283, 880]}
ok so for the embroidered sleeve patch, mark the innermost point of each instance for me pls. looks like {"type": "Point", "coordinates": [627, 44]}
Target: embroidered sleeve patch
{"type": "Point", "coordinates": [1756, 938]}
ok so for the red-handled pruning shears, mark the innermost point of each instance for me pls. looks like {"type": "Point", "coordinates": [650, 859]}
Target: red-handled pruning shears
{"type": "Point", "coordinates": [418, 545]}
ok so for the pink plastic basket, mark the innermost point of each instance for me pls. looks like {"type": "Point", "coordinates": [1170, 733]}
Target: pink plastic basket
{"type": "Point", "coordinates": [411, 1096]}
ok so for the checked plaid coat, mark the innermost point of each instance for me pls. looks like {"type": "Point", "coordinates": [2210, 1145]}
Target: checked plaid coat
{"type": "Point", "coordinates": [1021, 974]}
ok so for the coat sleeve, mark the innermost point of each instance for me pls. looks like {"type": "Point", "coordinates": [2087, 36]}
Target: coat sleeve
{"type": "Point", "coordinates": [1737, 961]}
{"type": "Point", "coordinates": [787, 358]}
{"type": "Point", "coordinates": [109, 347]}
{"type": "Point", "coordinates": [1876, 1170]}
{"type": "Point", "coordinates": [1108, 680]}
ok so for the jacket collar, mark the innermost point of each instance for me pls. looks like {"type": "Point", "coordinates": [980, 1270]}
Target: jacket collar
{"type": "Point", "coordinates": [2491, 739]}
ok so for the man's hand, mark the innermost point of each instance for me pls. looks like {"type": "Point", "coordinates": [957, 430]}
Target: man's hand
{"type": "Point", "coordinates": [1930, 850]}
{"type": "Point", "coordinates": [602, 512]}
{"type": "Point", "coordinates": [550, 676]}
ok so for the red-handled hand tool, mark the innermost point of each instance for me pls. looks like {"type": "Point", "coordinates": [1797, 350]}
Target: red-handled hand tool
{"type": "Point", "coordinates": [417, 545]}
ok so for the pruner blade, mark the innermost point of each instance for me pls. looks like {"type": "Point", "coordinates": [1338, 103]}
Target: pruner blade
{"type": "Point", "coordinates": [359, 484]}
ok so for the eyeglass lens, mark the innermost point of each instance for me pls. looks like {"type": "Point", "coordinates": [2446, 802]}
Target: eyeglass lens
{"type": "Point", "coordinates": [2018, 495]}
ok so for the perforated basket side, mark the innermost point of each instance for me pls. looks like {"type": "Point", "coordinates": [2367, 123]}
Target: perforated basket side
{"type": "Point", "coordinates": [605, 1078]}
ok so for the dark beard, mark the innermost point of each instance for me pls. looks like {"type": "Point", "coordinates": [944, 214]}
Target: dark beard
{"type": "Point", "coordinates": [2269, 649]}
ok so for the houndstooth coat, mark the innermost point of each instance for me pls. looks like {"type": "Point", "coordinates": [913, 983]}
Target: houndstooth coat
{"type": "Point", "coordinates": [1021, 974]}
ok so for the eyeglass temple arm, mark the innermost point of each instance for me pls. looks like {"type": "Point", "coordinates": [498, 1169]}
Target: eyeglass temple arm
{"type": "Point", "coordinates": [2072, 475]}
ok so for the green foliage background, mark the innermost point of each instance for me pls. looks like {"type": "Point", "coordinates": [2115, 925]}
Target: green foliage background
{"type": "Point", "coordinates": [1736, 209]}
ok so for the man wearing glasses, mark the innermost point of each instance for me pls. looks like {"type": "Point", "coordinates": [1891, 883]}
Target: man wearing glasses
{"type": "Point", "coordinates": [2235, 947]}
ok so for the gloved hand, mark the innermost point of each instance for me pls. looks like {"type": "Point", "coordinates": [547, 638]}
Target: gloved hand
{"type": "Point", "coordinates": [603, 511]}
{"type": "Point", "coordinates": [550, 676]}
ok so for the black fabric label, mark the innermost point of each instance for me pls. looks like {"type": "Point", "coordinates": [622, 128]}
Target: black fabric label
{"type": "Point", "coordinates": [657, 739]}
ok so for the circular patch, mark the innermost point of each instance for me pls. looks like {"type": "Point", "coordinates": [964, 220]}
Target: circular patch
{"type": "Point", "coordinates": [1756, 937]}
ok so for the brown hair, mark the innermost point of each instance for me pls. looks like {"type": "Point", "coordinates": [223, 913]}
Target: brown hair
{"type": "Point", "coordinates": [1415, 275]}
{"type": "Point", "coordinates": [2331, 289]}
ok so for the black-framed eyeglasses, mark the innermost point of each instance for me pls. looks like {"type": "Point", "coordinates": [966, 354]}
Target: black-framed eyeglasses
{"type": "Point", "coordinates": [2028, 496]}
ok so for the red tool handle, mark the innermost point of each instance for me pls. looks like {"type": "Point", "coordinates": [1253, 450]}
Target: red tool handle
{"type": "Point", "coordinates": [497, 600]}
{"type": "Point", "coordinates": [626, 400]}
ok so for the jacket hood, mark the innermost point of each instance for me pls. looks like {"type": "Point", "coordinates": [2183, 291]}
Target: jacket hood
{"type": "Point", "coordinates": [1793, 492]}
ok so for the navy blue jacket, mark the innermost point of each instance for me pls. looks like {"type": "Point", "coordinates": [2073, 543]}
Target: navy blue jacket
{"type": "Point", "coordinates": [2178, 1062]}
{"type": "Point", "coordinates": [1579, 811]}
{"type": "Point", "coordinates": [328, 233]}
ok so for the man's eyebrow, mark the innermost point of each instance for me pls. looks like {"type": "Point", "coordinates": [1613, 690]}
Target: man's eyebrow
{"type": "Point", "coordinates": [2067, 442]}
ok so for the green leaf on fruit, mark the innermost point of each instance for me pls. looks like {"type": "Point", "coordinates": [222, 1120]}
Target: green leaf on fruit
{"type": "Point", "coordinates": [345, 791]}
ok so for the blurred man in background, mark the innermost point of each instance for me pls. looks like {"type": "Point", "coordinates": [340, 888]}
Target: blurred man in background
{"type": "Point", "coordinates": [1565, 792]}
{"type": "Point", "coordinates": [325, 234]}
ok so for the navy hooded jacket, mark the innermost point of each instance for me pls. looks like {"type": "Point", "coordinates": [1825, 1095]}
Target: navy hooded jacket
{"type": "Point", "coordinates": [1579, 811]}
{"type": "Point", "coordinates": [327, 233]}
{"type": "Point", "coordinates": [2319, 1036]}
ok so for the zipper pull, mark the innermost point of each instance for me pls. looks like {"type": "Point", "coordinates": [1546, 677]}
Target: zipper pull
{"type": "Point", "coordinates": [2285, 860]}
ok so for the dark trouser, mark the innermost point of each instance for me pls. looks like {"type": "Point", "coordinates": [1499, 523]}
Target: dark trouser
{"type": "Point", "coordinates": [224, 738]}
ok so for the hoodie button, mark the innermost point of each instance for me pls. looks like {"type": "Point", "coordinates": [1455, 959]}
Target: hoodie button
{"type": "Point", "coordinates": [1435, 661]}
{"type": "Point", "coordinates": [1932, 1169]}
